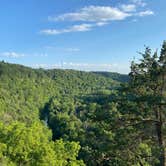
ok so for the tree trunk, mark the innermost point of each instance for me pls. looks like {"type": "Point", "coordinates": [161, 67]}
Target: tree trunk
{"type": "Point", "coordinates": [161, 142]}
{"type": "Point", "coordinates": [159, 116]}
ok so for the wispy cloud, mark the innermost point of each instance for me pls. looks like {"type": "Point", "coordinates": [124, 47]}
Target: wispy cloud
{"type": "Point", "coordinates": [145, 13]}
{"type": "Point", "coordinates": [128, 7]}
{"type": "Point", "coordinates": [141, 3]}
{"type": "Point", "coordinates": [74, 28]}
{"type": "Point", "coordinates": [12, 54]}
{"type": "Point", "coordinates": [72, 49]}
{"type": "Point", "coordinates": [100, 24]}
{"type": "Point", "coordinates": [63, 49]}
{"type": "Point", "coordinates": [93, 14]}
{"type": "Point", "coordinates": [40, 55]}
{"type": "Point", "coordinates": [97, 16]}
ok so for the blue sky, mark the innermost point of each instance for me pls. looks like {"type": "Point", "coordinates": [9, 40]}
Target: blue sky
{"type": "Point", "coordinates": [80, 34]}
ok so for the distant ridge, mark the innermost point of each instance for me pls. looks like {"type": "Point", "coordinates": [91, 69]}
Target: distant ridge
{"type": "Point", "coordinates": [17, 68]}
{"type": "Point", "coordinates": [115, 76]}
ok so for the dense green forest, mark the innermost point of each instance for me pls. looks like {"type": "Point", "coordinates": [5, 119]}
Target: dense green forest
{"type": "Point", "coordinates": [75, 118]}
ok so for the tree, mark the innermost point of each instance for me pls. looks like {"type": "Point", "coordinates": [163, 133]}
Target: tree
{"type": "Point", "coordinates": [22, 145]}
{"type": "Point", "coordinates": [148, 88]}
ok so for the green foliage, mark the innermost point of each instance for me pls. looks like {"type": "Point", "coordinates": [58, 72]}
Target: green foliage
{"type": "Point", "coordinates": [100, 118]}
{"type": "Point", "coordinates": [55, 96]}
{"type": "Point", "coordinates": [25, 91]}
{"type": "Point", "coordinates": [22, 145]}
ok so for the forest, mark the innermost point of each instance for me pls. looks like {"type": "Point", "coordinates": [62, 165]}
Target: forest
{"type": "Point", "coordinates": [74, 118]}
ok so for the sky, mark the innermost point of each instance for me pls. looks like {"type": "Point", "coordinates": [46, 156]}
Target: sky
{"type": "Point", "coordinates": [91, 35]}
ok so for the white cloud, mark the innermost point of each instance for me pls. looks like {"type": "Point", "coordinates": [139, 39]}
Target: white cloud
{"type": "Point", "coordinates": [12, 54]}
{"type": "Point", "coordinates": [72, 49]}
{"type": "Point", "coordinates": [100, 24]}
{"type": "Point", "coordinates": [66, 49]}
{"type": "Point", "coordinates": [51, 31]}
{"type": "Point", "coordinates": [98, 16]}
{"type": "Point", "coordinates": [81, 27]}
{"type": "Point", "coordinates": [145, 13]}
{"type": "Point", "coordinates": [128, 8]}
{"type": "Point", "coordinates": [40, 55]}
{"type": "Point", "coordinates": [141, 3]}
{"type": "Point", "coordinates": [74, 28]}
{"type": "Point", "coordinates": [93, 14]}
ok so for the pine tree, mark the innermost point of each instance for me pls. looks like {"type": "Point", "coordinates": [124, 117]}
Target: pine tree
{"type": "Point", "coordinates": [148, 88]}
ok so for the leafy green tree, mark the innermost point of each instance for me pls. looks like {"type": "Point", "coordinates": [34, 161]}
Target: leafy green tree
{"type": "Point", "coordinates": [22, 145]}
{"type": "Point", "coordinates": [147, 87]}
